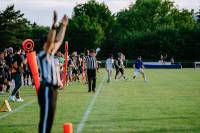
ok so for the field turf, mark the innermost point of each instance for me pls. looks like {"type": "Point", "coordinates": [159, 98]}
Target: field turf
{"type": "Point", "coordinates": [168, 103]}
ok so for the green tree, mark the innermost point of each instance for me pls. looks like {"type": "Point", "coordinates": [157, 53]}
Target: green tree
{"type": "Point", "coordinates": [198, 16]}
{"type": "Point", "coordinates": [90, 26]}
{"type": "Point", "coordinates": [13, 27]}
{"type": "Point", "coordinates": [37, 34]}
{"type": "Point", "coordinates": [96, 11]}
{"type": "Point", "coordinates": [84, 33]}
{"type": "Point", "coordinates": [152, 27]}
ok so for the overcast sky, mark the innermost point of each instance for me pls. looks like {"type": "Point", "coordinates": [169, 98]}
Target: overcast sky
{"type": "Point", "coordinates": [40, 11]}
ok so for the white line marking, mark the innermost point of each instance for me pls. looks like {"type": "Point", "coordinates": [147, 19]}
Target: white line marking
{"type": "Point", "coordinates": [89, 108]}
{"type": "Point", "coordinates": [17, 109]}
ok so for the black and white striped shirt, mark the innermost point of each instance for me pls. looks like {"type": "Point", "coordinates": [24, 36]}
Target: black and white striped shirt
{"type": "Point", "coordinates": [47, 69]}
{"type": "Point", "coordinates": [91, 62]}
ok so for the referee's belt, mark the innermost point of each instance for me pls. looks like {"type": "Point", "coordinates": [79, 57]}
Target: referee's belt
{"type": "Point", "coordinates": [44, 83]}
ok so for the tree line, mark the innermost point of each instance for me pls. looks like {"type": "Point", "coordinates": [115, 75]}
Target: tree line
{"type": "Point", "coordinates": [147, 28]}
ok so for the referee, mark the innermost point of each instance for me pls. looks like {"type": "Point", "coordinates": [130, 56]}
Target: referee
{"type": "Point", "coordinates": [91, 70]}
{"type": "Point", "coordinates": [49, 76]}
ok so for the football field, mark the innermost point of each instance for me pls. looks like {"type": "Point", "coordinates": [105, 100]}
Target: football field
{"type": "Point", "coordinates": [168, 103]}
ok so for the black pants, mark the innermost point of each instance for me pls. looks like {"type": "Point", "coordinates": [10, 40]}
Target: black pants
{"type": "Point", "coordinates": [18, 84]}
{"type": "Point", "coordinates": [47, 97]}
{"type": "Point", "coordinates": [91, 75]}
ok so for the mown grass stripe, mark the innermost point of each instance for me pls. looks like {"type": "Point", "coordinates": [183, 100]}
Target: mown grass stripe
{"type": "Point", "coordinates": [89, 108]}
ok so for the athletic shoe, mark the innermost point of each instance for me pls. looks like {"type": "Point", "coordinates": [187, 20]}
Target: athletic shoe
{"type": "Point", "coordinates": [19, 99]}
{"type": "Point", "coordinates": [11, 98]}
{"type": "Point", "coordinates": [1, 92]}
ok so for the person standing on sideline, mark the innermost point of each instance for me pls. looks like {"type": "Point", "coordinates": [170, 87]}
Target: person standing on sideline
{"type": "Point", "coordinates": [49, 76]}
{"type": "Point", "coordinates": [139, 68]}
{"type": "Point", "coordinates": [8, 70]}
{"type": "Point", "coordinates": [109, 66]}
{"type": "Point", "coordinates": [17, 69]}
{"type": "Point", "coordinates": [91, 70]}
{"type": "Point", "coordinates": [2, 72]}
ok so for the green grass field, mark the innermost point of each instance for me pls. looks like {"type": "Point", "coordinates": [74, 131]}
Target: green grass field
{"type": "Point", "coordinates": [168, 103]}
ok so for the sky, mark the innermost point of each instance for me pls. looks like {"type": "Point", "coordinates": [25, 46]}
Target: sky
{"type": "Point", "coordinates": [40, 11]}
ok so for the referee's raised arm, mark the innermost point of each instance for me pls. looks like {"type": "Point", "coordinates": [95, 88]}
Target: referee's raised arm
{"type": "Point", "coordinates": [49, 75]}
{"type": "Point", "coordinates": [50, 39]}
{"type": "Point", "coordinates": [61, 34]}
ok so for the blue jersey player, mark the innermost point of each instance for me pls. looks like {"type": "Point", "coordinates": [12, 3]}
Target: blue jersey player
{"type": "Point", "coordinates": [139, 68]}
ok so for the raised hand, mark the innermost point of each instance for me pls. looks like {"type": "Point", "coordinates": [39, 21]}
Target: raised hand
{"type": "Point", "coordinates": [54, 18]}
{"type": "Point", "coordinates": [65, 20]}
{"type": "Point", "coordinates": [61, 34]}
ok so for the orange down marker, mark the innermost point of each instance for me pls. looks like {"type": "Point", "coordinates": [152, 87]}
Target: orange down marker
{"type": "Point", "coordinates": [28, 46]}
{"type": "Point", "coordinates": [67, 128]}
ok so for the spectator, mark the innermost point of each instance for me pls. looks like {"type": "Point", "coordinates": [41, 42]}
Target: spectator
{"type": "Point", "coordinates": [2, 72]}
{"type": "Point", "coordinates": [17, 66]}
{"type": "Point", "coordinates": [8, 69]}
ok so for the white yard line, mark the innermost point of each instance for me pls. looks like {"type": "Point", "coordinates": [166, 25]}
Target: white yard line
{"type": "Point", "coordinates": [17, 109]}
{"type": "Point", "coordinates": [89, 108]}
